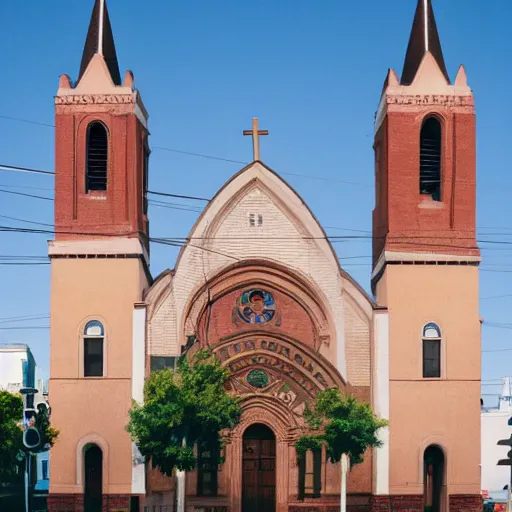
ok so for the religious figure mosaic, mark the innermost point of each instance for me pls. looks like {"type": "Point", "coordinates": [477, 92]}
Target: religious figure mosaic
{"type": "Point", "coordinates": [255, 307]}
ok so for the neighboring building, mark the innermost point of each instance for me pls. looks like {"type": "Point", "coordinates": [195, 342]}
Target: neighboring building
{"type": "Point", "coordinates": [260, 284]}
{"type": "Point", "coordinates": [495, 427]}
{"type": "Point", "coordinates": [17, 367]}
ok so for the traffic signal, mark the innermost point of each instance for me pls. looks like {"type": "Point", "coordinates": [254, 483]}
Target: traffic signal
{"type": "Point", "coordinates": [506, 442]}
{"type": "Point", "coordinates": [32, 438]}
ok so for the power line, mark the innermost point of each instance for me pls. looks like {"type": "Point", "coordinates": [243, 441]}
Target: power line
{"type": "Point", "coordinates": [24, 328]}
{"type": "Point", "coordinates": [28, 121]}
{"type": "Point", "coordinates": [178, 196]}
{"type": "Point", "coordinates": [3, 191]}
{"type": "Point", "coordinates": [17, 168]}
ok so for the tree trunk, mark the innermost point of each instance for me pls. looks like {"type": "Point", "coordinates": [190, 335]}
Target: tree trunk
{"type": "Point", "coordinates": [180, 485]}
{"type": "Point", "coordinates": [180, 490]}
{"type": "Point", "coordinates": [344, 471]}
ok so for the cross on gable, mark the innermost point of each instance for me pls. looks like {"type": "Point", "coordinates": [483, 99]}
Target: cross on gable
{"type": "Point", "coordinates": [255, 132]}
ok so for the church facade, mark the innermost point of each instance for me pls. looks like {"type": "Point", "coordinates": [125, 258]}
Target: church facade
{"type": "Point", "coordinates": [259, 284]}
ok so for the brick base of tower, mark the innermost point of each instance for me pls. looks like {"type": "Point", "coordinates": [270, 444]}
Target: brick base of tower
{"type": "Point", "coordinates": [414, 503]}
{"type": "Point", "coordinates": [75, 503]}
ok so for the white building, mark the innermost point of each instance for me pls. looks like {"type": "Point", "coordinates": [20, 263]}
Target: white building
{"type": "Point", "coordinates": [494, 423]}
{"type": "Point", "coordinates": [17, 367]}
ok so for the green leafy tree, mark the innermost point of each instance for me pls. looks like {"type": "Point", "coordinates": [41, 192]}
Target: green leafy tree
{"type": "Point", "coordinates": [342, 424]}
{"type": "Point", "coordinates": [345, 426]}
{"type": "Point", "coordinates": [181, 409]}
{"type": "Point", "coordinates": [11, 435]}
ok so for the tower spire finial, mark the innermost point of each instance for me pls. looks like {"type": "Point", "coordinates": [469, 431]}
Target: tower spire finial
{"type": "Point", "coordinates": [424, 38]}
{"type": "Point", "coordinates": [100, 40]}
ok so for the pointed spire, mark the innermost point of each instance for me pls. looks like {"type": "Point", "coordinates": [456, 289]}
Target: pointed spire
{"type": "Point", "coordinates": [101, 40]}
{"type": "Point", "coordinates": [424, 38]}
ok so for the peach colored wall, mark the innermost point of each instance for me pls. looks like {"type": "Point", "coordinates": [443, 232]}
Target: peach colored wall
{"type": "Point", "coordinates": [84, 289]}
{"type": "Point", "coordinates": [442, 411]}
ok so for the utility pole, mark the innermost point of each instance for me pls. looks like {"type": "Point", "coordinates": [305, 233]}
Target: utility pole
{"type": "Point", "coordinates": [507, 462]}
{"type": "Point", "coordinates": [31, 436]}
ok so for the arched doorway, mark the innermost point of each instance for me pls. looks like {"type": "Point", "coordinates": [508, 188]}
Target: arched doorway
{"type": "Point", "coordinates": [93, 472]}
{"type": "Point", "coordinates": [434, 468]}
{"type": "Point", "coordinates": [259, 469]}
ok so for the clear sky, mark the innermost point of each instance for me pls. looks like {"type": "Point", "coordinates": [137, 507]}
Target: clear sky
{"type": "Point", "coordinates": [311, 70]}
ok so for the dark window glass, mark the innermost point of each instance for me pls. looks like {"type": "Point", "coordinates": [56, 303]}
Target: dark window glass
{"type": "Point", "coordinates": [159, 363]}
{"type": "Point", "coordinates": [97, 157]}
{"type": "Point", "coordinates": [430, 158]}
{"type": "Point", "coordinates": [44, 468]}
{"type": "Point", "coordinates": [207, 471]}
{"type": "Point", "coordinates": [93, 357]}
{"type": "Point", "coordinates": [431, 358]}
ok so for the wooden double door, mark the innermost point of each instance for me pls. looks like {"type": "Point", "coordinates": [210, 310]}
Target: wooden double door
{"type": "Point", "coordinates": [259, 469]}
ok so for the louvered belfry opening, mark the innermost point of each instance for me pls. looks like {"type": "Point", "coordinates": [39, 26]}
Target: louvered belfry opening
{"type": "Point", "coordinates": [97, 157]}
{"type": "Point", "coordinates": [430, 158]}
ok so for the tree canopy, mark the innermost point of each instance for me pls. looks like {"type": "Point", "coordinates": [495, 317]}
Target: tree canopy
{"type": "Point", "coordinates": [11, 435]}
{"type": "Point", "coordinates": [342, 424]}
{"type": "Point", "coordinates": [183, 408]}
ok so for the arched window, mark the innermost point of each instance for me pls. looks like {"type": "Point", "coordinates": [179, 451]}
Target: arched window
{"type": "Point", "coordinates": [94, 338]}
{"type": "Point", "coordinates": [433, 480]}
{"type": "Point", "coordinates": [310, 475]}
{"type": "Point", "coordinates": [208, 468]}
{"type": "Point", "coordinates": [97, 157]}
{"type": "Point", "coordinates": [431, 351]}
{"type": "Point", "coordinates": [93, 473]}
{"type": "Point", "coordinates": [430, 158]}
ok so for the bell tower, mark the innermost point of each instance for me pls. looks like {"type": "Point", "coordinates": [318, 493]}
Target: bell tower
{"type": "Point", "coordinates": [425, 271]}
{"type": "Point", "coordinates": [100, 269]}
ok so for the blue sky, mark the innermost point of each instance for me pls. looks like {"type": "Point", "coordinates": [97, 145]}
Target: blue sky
{"type": "Point", "coordinates": [312, 71]}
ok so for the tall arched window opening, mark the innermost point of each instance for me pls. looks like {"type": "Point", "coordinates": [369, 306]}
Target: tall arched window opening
{"type": "Point", "coordinates": [94, 338]}
{"type": "Point", "coordinates": [145, 177]}
{"type": "Point", "coordinates": [431, 351]}
{"type": "Point", "coordinates": [430, 158]}
{"type": "Point", "coordinates": [97, 157]}
{"type": "Point", "coordinates": [93, 478]}
{"type": "Point", "coordinates": [207, 469]}
{"type": "Point", "coordinates": [310, 474]}
{"type": "Point", "coordinates": [433, 480]}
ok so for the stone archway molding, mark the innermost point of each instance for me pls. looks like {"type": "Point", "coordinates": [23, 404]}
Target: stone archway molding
{"type": "Point", "coordinates": [88, 439]}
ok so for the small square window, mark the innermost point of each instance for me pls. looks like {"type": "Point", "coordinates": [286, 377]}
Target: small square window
{"type": "Point", "coordinates": [255, 220]}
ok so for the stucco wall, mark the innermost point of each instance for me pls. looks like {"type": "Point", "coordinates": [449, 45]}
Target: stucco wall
{"type": "Point", "coordinates": [442, 411]}
{"type": "Point", "coordinates": [92, 409]}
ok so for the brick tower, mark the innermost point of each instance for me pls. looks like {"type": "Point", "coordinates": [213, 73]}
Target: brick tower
{"type": "Point", "coordinates": [425, 270]}
{"type": "Point", "coordinates": [99, 272]}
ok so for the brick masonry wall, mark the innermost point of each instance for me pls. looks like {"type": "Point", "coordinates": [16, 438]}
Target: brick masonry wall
{"type": "Point", "coordinates": [75, 503]}
{"type": "Point", "coordinates": [406, 503]}
{"type": "Point", "coordinates": [465, 503]}
{"type": "Point", "coordinates": [285, 219]}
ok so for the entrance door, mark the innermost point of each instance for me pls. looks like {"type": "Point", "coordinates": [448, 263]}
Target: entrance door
{"type": "Point", "coordinates": [259, 470]}
{"type": "Point", "coordinates": [93, 479]}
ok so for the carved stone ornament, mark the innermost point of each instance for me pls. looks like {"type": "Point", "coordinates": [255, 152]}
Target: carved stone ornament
{"type": "Point", "coordinates": [96, 99]}
{"type": "Point", "coordinates": [444, 100]}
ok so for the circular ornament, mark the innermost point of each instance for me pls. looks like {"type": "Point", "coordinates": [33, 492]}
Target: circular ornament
{"type": "Point", "coordinates": [256, 307]}
{"type": "Point", "coordinates": [257, 378]}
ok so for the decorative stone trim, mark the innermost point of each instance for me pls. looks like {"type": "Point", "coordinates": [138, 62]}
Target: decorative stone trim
{"type": "Point", "coordinates": [96, 99]}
